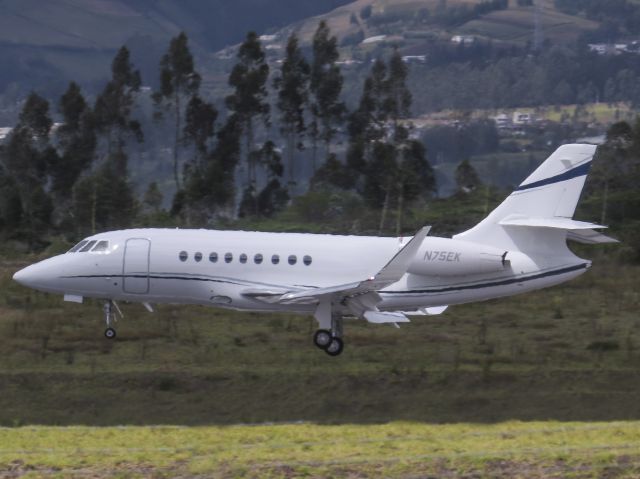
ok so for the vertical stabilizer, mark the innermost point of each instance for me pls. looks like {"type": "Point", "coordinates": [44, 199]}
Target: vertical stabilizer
{"type": "Point", "coordinates": [551, 192]}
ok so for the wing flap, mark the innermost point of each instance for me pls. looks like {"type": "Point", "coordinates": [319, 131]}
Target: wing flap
{"type": "Point", "coordinates": [389, 274]}
{"type": "Point", "coordinates": [379, 317]}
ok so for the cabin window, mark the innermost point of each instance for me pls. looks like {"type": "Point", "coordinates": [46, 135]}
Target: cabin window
{"type": "Point", "coordinates": [88, 246]}
{"type": "Point", "coordinates": [78, 246]}
{"type": "Point", "coordinates": [275, 259]}
{"type": "Point", "coordinates": [213, 257]}
{"type": "Point", "coordinates": [101, 247]}
{"type": "Point", "coordinates": [228, 257]}
{"type": "Point", "coordinates": [257, 259]}
{"type": "Point", "coordinates": [197, 257]}
{"type": "Point", "coordinates": [292, 259]}
{"type": "Point", "coordinates": [183, 256]}
{"type": "Point", "coordinates": [307, 260]}
{"type": "Point", "coordinates": [243, 258]}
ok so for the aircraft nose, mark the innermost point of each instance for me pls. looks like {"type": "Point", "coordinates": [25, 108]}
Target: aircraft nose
{"type": "Point", "coordinates": [25, 276]}
{"type": "Point", "coordinates": [36, 276]}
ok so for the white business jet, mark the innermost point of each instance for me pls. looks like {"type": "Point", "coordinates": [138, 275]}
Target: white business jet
{"type": "Point", "coordinates": [521, 246]}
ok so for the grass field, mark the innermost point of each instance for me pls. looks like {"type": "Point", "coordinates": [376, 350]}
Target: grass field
{"type": "Point", "coordinates": [566, 353]}
{"type": "Point", "coordinates": [519, 387]}
{"type": "Point", "coordinates": [513, 449]}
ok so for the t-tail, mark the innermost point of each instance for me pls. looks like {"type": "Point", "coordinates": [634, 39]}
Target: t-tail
{"type": "Point", "coordinates": [536, 218]}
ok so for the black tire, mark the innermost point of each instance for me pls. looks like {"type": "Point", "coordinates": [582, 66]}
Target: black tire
{"type": "Point", "coordinates": [322, 338]}
{"type": "Point", "coordinates": [110, 333]}
{"type": "Point", "coordinates": [335, 347]}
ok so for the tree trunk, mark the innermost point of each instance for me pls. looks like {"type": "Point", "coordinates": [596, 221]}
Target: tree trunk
{"type": "Point", "coordinates": [94, 201]}
{"type": "Point", "coordinates": [314, 144]}
{"type": "Point", "coordinates": [291, 147]}
{"type": "Point", "coordinates": [385, 208]}
{"type": "Point", "coordinates": [605, 195]}
{"type": "Point", "coordinates": [176, 175]}
{"type": "Point", "coordinates": [400, 207]}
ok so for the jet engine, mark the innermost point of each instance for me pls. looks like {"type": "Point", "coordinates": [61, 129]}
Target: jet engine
{"type": "Point", "coordinates": [448, 257]}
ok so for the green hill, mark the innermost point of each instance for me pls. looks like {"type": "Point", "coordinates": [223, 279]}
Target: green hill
{"type": "Point", "coordinates": [408, 23]}
{"type": "Point", "coordinates": [44, 44]}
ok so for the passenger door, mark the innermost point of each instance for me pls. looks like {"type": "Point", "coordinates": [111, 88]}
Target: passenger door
{"type": "Point", "coordinates": [135, 269]}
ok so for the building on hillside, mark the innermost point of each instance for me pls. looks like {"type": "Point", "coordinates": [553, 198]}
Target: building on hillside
{"type": "Point", "coordinates": [4, 132]}
{"type": "Point", "coordinates": [374, 39]}
{"type": "Point", "coordinates": [349, 62]}
{"type": "Point", "coordinates": [414, 59]}
{"type": "Point", "coordinates": [463, 39]}
{"type": "Point", "coordinates": [614, 48]}
{"type": "Point", "coordinates": [503, 121]}
{"type": "Point", "coordinates": [523, 118]}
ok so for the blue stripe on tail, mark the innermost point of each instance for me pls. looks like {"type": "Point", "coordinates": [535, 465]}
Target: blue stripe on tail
{"type": "Point", "coordinates": [567, 175]}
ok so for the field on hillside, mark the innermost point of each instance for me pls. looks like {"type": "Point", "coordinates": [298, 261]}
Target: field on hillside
{"type": "Point", "coordinates": [506, 450]}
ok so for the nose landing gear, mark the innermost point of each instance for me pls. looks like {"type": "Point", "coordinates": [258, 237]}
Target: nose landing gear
{"type": "Point", "coordinates": [109, 317]}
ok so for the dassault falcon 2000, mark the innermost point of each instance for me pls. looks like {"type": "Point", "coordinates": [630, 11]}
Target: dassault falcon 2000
{"type": "Point", "coordinates": [520, 246]}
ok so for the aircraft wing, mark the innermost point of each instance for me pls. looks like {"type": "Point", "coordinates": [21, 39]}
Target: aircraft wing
{"type": "Point", "coordinates": [389, 274]}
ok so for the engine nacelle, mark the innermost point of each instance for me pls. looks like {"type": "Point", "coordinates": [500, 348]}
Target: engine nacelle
{"type": "Point", "coordinates": [449, 257]}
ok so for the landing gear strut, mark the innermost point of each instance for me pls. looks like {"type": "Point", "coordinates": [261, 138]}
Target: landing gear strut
{"type": "Point", "coordinates": [109, 317]}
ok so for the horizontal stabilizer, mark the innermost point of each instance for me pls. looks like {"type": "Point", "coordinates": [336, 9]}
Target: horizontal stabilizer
{"type": "Point", "coordinates": [554, 222]}
{"type": "Point", "coordinates": [589, 237]}
{"type": "Point", "coordinates": [379, 317]}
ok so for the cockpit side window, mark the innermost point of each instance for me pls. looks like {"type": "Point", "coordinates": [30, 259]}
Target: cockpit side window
{"type": "Point", "coordinates": [101, 247]}
{"type": "Point", "coordinates": [88, 246]}
{"type": "Point", "coordinates": [78, 246]}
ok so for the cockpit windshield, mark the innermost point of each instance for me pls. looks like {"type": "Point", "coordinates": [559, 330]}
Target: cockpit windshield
{"type": "Point", "coordinates": [78, 246]}
{"type": "Point", "coordinates": [88, 246]}
{"type": "Point", "coordinates": [101, 247]}
{"type": "Point", "coordinates": [93, 246]}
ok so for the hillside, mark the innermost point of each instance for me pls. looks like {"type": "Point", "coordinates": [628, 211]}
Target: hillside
{"type": "Point", "coordinates": [44, 44]}
{"type": "Point", "coordinates": [413, 24]}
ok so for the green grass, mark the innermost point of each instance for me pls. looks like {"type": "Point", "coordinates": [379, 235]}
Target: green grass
{"type": "Point", "coordinates": [566, 353]}
{"type": "Point", "coordinates": [513, 449]}
{"type": "Point", "coordinates": [518, 387]}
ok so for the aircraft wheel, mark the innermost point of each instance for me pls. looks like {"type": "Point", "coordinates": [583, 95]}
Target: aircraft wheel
{"type": "Point", "coordinates": [322, 338]}
{"type": "Point", "coordinates": [109, 333]}
{"type": "Point", "coordinates": [335, 347]}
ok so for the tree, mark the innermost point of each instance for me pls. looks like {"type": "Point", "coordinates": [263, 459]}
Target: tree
{"type": "Point", "coordinates": [325, 85]}
{"type": "Point", "coordinates": [200, 126]}
{"type": "Point", "coordinates": [178, 79]}
{"type": "Point", "coordinates": [24, 173]}
{"type": "Point", "coordinates": [105, 198]}
{"type": "Point", "coordinates": [273, 197]}
{"type": "Point", "coordinates": [415, 178]}
{"type": "Point", "coordinates": [467, 178]}
{"type": "Point", "coordinates": [210, 183]}
{"type": "Point", "coordinates": [292, 86]}
{"type": "Point", "coordinates": [395, 107]}
{"type": "Point", "coordinates": [76, 140]}
{"type": "Point", "coordinates": [112, 110]}
{"type": "Point", "coordinates": [152, 199]}
{"type": "Point", "coordinates": [248, 101]}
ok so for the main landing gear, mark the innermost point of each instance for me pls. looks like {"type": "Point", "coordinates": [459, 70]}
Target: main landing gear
{"type": "Point", "coordinates": [325, 340]}
{"type": "Point", "coordinates": [110, 317]}
{"type": "Point", "coordinates": [329, 336]}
